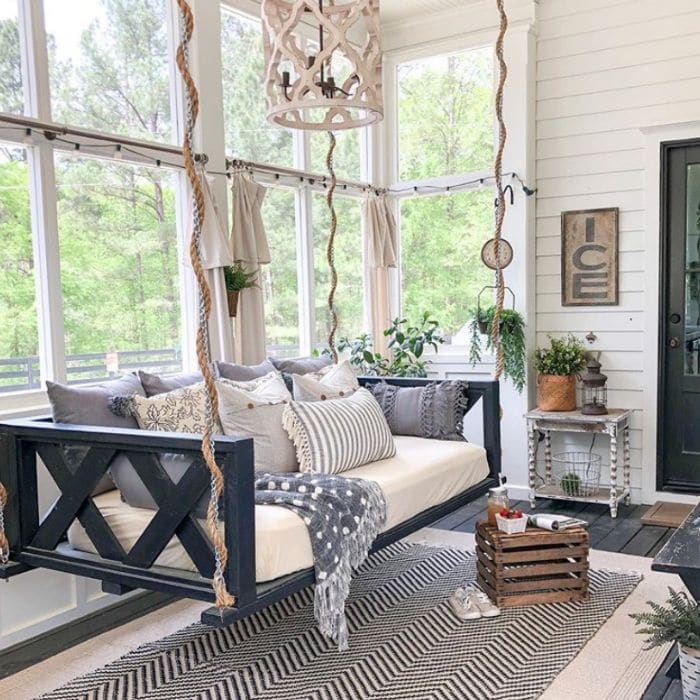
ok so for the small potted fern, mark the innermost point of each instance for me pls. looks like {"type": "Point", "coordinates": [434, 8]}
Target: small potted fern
{"type": "Point", "coordinates": [237, 278]}
{"type": "Point", "coordinates": [679, 622]}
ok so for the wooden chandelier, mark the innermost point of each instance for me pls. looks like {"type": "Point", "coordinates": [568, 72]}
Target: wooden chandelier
{"type": "Point", "coordinates": [332, 81]}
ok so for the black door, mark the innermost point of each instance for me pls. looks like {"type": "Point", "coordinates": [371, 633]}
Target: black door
{"type": "Point", "coordinates": [679, 399]}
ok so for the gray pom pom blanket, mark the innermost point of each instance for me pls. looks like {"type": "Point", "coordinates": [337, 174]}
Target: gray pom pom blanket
{"type": "Point", "coordinates": [343, 517]}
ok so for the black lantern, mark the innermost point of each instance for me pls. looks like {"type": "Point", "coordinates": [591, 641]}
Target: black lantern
{"type": "Point", "coordinates": [595, 393]}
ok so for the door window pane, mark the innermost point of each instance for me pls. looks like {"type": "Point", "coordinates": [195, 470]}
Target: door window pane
{"type": "Point", "coordinates": [692, 287]}
{"type": "Point", "coordinates": [109, 65]}
{"type": "Point", "coordinates": [248, 133]}
{"type": "Point", "coordinates": [348, 262]}
{"type": "Point", "coordinates": [446, 121]}
{"type": "Point", "coordinates": [346, 155]}
{"type": "Point", "coordinates": [279, 277]}
{"type": "Point", "coordinates": [442, 272]}
{"type": "Point", "coordinates": [119, 268]}
{"type": "Point", "coordinates": [19, 342]}
{"type": "Point", "coordinates": [11, 95]}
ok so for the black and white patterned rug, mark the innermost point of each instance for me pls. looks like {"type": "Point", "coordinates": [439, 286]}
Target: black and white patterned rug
{"type": "Point", "coordinates": [405, 644]}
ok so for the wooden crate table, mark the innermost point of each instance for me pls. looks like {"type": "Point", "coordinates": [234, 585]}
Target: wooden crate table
{"type": "Point", "coordinates": [532, 567]}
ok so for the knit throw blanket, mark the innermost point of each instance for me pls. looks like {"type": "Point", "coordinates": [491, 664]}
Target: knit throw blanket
{"type": "Point", "coordinates": [343, 517]}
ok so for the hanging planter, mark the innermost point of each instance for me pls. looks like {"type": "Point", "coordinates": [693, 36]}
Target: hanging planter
{"type": "Point", "coordinates": [237, 279]}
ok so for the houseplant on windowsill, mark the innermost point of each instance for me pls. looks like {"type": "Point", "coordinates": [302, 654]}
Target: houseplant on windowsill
{"type": "Point", "coordinates": [679, 622]}
{"type": "Point", "coordinates": [512, 333]}
{"type": "Point", "coordinates": [558, 365]}
{"type": "Point", "coordinates": [237, 278]}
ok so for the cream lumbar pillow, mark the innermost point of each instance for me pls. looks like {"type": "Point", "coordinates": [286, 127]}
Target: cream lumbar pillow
{"type": "Point", "coordinates": [179, 411]}
{"type": "Point", "coordinates": [339, 434]}
{"type": "Point", "coordinates": [335, 382]}
{"type": "Point", "coordinates": [254, 409]}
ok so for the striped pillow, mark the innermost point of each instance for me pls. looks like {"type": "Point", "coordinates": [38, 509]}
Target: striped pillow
{"type": "Point", "coordinates": [339, 434]}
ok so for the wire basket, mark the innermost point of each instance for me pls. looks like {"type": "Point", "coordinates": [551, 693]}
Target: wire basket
{"type": "Point", "coordinates": [577, 474]}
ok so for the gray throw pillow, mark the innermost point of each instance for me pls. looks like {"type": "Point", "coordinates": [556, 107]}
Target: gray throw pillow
{"type": "Point", "coordinates": [154, 384]}
{"type": "Point", "coordinates": [435, 410]}
{"type": "Point", "coordinates": [243, 373]}
{"type": "Point", "coordinates": [90, 405]}
{"type": "Point", "coordinates": [300, 365]}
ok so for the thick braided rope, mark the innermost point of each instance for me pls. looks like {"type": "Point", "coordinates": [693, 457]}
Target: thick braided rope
{"type": "Point", "coordinates": [4, 544]}
{"type": "Point", "coordinates": [501, 211]}
{"type": "Point", "coordinates": [223, 598]}
{"type": "Point", "coordinates": [330, 248]}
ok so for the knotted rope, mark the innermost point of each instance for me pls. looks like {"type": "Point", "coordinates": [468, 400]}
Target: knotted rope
{"type": "Point", "coordinates": [223, 598]}
{"type": "Point", "coordinates": [501, 210]}
{"type": "Point", "coordinates": [330, 248]}
{"type": "Point", "coordinates": [4, 544]}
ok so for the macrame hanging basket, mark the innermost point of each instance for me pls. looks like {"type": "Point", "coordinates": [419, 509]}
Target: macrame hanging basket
{"type": "Point", "coordinates": [347, 50]}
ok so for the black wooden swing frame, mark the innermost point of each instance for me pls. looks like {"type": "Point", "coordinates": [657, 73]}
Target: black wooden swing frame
{"type": "Point", "coordinates": [40, 542]}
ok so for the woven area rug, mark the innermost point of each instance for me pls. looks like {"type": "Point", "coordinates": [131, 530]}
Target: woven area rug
{"type": "Point", "coordinates": [405, 644]}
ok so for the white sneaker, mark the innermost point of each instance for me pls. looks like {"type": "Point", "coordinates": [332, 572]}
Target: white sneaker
{"type": "Point", "coordinates": [462, 605]}
{"type": "Point", "coordinates": [483, 603]}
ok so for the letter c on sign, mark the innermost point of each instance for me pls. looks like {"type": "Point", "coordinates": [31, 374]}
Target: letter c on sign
{"type": "Point", "coordinates": [577, 257]}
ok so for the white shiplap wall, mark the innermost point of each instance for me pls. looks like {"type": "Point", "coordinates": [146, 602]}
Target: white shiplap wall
{"type": "Point", "coordinates": [605, 70]}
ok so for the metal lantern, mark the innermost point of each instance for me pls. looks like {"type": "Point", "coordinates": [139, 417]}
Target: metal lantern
{"type": "Point", "coordinates": [595, 393]}
{"type": "Point", "coordinates": [331, 81]}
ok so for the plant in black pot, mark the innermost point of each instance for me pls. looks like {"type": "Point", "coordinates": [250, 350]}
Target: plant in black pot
{"type": "Point", "coordinates": [512, 334]}
{"type": "Point", "coordinates": [237, 278]}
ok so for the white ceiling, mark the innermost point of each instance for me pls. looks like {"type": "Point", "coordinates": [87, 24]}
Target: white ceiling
{"type": "Point", "coordinates": [393, 10]}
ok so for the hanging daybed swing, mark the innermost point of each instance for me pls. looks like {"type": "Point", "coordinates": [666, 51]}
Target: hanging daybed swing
{"type": "Point", "coordinates": [224, 557]}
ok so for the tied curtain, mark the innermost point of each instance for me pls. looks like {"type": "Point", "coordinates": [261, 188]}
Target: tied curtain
{"type": "Point", "coordinates": [250, 248]}
{"type": "Point", "coordinates": [381, 254]}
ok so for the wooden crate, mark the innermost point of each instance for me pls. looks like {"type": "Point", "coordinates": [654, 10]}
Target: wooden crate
{"type": "Point", "coordinates": [536, 566]}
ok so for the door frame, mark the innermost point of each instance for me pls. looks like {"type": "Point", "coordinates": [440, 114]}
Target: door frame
{"type": "Point", "coordinates": [653, 136]}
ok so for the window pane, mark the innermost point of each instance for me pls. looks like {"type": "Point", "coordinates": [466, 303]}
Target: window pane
{"type": "Point", "coordinates": [279, 278]}
{"type": "Point", "coordinates": [119, 268]}
{"type": "Point", "coordinates": [441, 241]}
{"type": "Point", "coordinates": [109, 65]}
{"type": "Point", "coordinates": [19, 343]}
{"type": "Point", "coordinates": [346, 157]}
{"type": "Point", "coordinates": [348, 261]}
{"type": "Point", "coordinates": [446, 121]}
{"type": "Point", "coordinates": [248, 133]}
{"type": "Point", "coordinates": [11, 96]}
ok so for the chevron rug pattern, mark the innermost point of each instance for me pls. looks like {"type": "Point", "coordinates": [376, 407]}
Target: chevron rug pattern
{"type": "Point", "coordinates": [405, 644]}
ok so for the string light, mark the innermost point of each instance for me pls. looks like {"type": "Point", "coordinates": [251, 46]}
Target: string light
{"type": "Point", "coordinates": [118, 152]}
{"type": "Point", "coordinates": [28, 139]}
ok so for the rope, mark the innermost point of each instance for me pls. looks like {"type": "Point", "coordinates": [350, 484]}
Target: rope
{"type": "Point", "coordinates": [501, 211]}
{"type": "Point", "coordinates": [223, 598]}
{"type": "Point", "coordinates": [330, 248]}
{"type": "Point", "coordinates": [4, 544]}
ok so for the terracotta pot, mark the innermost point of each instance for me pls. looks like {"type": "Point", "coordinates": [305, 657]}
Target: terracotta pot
{"type": "Point", "coordinates": [556, 392]}
{"type": "Point", "coordinates": [690, 672]}
{"type": "Point", "coordinates": [232, 298]}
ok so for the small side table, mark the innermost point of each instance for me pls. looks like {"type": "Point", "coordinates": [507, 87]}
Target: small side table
{"type": "Point", "coordinates": [616, 424]}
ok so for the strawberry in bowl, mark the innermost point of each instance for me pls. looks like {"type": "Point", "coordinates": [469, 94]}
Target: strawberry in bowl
{"type": "Point", "coordinates": [511, 521]}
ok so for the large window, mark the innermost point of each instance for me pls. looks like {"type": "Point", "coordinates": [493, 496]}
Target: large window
{"type": "Point", "coordinates": [119, 272]}
{"type": "Point", "coordinates": [248, 133]}
{"type": "Point", "coordinates": [346, 155]}
{"type": "Point", "coordinates": [279, 278]}
{"type": "Point", "coordinates": [446, 115]}
{"type": "Point", "coordinates": [19, 343]}
{"type": "Point", "coordinates": [11, 97]}
{"type": "Point", "coordinates": [109, 65]}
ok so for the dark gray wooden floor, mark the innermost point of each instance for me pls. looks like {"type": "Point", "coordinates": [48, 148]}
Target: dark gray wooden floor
{"type": "Point", "coordinates": [624, 534]}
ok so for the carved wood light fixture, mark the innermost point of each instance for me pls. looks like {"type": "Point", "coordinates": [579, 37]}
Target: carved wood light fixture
{"type": "Point", "coordinates": [332, 81]}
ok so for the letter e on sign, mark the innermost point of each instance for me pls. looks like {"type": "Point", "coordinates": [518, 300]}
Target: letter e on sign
{"type": "Point", "coordinates": [589, 257]}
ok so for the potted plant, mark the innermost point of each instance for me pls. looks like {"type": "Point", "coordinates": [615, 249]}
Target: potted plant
{"type": "Point", "coordinates": [678, 622]}
{"type": "Point", "coordinates": [558, 365]}
{"type": "Point", "coordinates": [512, 333]}
{"type": "Point", "coordinates": [237, 278]}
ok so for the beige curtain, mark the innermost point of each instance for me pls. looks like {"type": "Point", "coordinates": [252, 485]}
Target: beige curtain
{"type": "Point", "coordinates": [249, 245]}
{"type": "Point", "coordinates": [216, 254]}
{"type": "Point", "coordinates": [380, 254]}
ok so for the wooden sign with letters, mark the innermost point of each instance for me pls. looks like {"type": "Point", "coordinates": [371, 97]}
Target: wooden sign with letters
{"type": "Point", "coordinates": [589, 257]}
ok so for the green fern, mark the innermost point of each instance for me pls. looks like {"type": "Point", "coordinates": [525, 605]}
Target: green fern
{"type": "Point", "coordinates": [679, 622]}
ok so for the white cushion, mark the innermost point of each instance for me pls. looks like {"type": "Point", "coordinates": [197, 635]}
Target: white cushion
{"type": "Point", "coordinates": [334, 382]}
{"type": "Point", "coordinates": [422, 474]}
{"type": "Point", "coordinates": [254, 409]}
{"type": "Point", "coordinates": [339, 434]}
